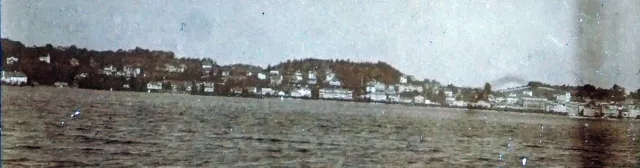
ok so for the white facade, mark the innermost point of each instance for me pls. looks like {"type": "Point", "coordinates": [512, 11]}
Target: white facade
{"type": "Point", "coordinates": [410, 88]}
{"type": "Point", "coordinates": [46, 58]}
{"type": "Point", "coordinates": [267, 91]}
{"type": "Point", "coordinates": [330, 76]}
{"type": "Point", "coordinates": [301, 92]}
{"type": "Point", "coordinates": [403, 79]}
{"type": "Point", "coordinates": [12, 60]}
{"type": "Point", "coordinates": [262, 76]}
{"type": "Point", "coordinates": [336, 94]}
{"type": "Point", "coordinates": [312, 75]}
{"type": "Point", "coordinates": [276, 80]}
{"type": "Point", "coordinates": [14, 79]}
{"type": "Point", "coordinates": [154, 86]}
{"type": "Point", "coordinates": [448, 93]}
{"type": "Point", "coordinates": [527, 93]}
{"type": "Point", "coordinates": [335, 83]}
{"type": "Point", "coordinates": [418, 99]}
{"type": "Point", "coordinates": [564, 98]}
{"type": "Point", "coordinates": [208, 89]}
{"type": "Point", "coordinates": [377, 96]}
{"type": "Point", "coordinates": [297, 77]}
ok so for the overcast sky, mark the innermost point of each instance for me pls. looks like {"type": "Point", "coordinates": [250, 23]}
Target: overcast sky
{"type": "Point", "coordinates": [464, 42]}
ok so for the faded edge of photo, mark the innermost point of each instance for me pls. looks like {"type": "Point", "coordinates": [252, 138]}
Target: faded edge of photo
{"type": "Point", "coordinates": [1, 67]}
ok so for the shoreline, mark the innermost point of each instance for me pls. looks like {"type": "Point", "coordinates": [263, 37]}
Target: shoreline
{"type": "Point", "coordinates": [511, 110]}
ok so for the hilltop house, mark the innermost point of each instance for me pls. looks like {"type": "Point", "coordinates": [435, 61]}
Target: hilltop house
{"type": "Point", "coordinates": [130, 71]}
{"type": "Point", "coordinates": [448, 93]}
{"type": "Point", "coordinates": [312, 78]}
{"type": "Point", "coordinates": [207, 68]}
{"type": "Point", "coordinates": [12, 60]}
{"type": "Point", "coordinates": [74, 62]}
{"type": "Point", "coordinates": [403, 79]}
{"type": "Point", "coordinates": [402, 88]}
{"type": "Point", "coordinates": [225, 73]}
{"type": "Point", "coordinates": [297, 77]}
{"type": "Point", "coordinates": [332, 79]}
{"type": "Point", "coordinates": [46, 58]}
{"type": "Point", "coordinates": [276, 78]}
{"type": "Point", "coordinates": [109, 70]}
{"type": "Point", "coordinates": [172, 68]}
{"type": "Point", "coordinates": [261, 76]}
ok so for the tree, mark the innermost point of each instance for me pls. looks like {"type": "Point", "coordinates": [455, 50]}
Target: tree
{"type": "Point", "coordinates": [487, 88]}
{"type": "Point", "coordinates": [459, 97]}
{"type": "Point", "coordinates": [635, 95]}
{"type": "Point", "coordinates": [166, 86]}
{"type": "Point", "coordinates": [441, 98]}
{"type": "Point", "coordinates": [201, 89]}
{"type": "Point", "coordinates": [194, 88]}
{"type": "Point", "coordinates": [617, 93]}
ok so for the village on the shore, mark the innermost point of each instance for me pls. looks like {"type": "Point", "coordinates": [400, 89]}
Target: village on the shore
{"type": "Point", "coordinates": [289, 82]}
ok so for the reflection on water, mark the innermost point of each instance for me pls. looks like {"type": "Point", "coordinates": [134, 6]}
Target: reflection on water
{"type": "Point", "coordinates": [605, 143]}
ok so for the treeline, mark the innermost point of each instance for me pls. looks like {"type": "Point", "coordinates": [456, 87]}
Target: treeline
{"type": "Point", "coordinates": [585, 92]}
{"type": "Point", "coordinates": [61, 69]}
{"type": "Point", "coordinates": [353, 75]}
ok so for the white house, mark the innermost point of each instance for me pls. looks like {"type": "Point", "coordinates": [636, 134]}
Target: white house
{"type": "Point", "coordinates": [262, 76]}
{"type": "Point", "coordinates": [297, 77]}
{"type": "Point", "coordinates": [564, 98]}
{"type": "Point", "coordinates": [46, 58]}
{"type": "Point", "coordinates": [377, 96]}
{"type": "Point", "coordinates": [274, 72]}
{"type": "Point", "coordinates": [329, 76]}
{"type": "Point", "coordinates": [512, 99]}
{"type": "Point", "coordinates": [409, 88]}
{"type": "Point", "coordinates": [12, 60]}
{"type": "Point", "coordinates": [403, 79]}
{"type": "Point", "coordinates": [267, 91]}
{"type": "Point", "coordinates": [375, 86]}
{"type": "Point", "coordinates": [528, 93]}
{"type": "Point", "coordinates": [14, 78]}
{"type": "Point", "coordinates": [225, 73]}
{"type": "Point", "coordinates": [335, 82]}
{"type": "Point", "coordinates": [301, 92]}
{"type": "Point", "coordinates": [418, 99]}
{"type": "Point", "coordinates": [448, 93]}
{"type": "Point", "coordinates": [109, 69]}
{"type": "Point", "coordinates": [312, 78]}
{"type": "Point", "coordinates": [207, 68]}
{"type": "Point", "coordinates": [154, 86]}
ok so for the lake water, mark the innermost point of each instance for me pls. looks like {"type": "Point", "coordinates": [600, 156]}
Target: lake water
{"type": "Point", "coordinates": [121, 129]}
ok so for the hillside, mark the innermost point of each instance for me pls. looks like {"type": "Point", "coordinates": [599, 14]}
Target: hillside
{"type": "Point", "coordinates": [353, 74]}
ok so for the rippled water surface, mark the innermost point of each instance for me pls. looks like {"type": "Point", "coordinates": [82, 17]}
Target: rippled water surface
{"type": "Point", "coordinates": [117, 129]}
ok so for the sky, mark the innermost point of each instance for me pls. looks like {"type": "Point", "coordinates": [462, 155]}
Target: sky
{"type": "Point", "coordinates": [462, 42]}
